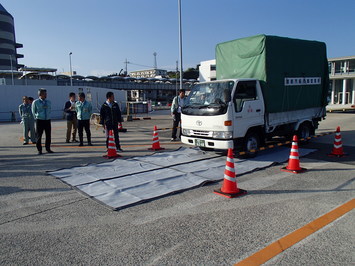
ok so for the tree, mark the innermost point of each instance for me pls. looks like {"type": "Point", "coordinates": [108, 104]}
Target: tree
{"type": "Point", "coordinates": [173, 75]}
{"type": "Point", "coordinates": [191, 73]}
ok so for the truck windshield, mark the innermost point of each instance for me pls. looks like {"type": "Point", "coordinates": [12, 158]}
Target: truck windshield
{"type": "Point", "coordinates": [209, 98]}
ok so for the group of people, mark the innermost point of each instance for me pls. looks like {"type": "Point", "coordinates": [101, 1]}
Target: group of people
{"type": "Point", "coordinates": [78, 115]}
{"type": "Point", "coordinates": [36, 119]}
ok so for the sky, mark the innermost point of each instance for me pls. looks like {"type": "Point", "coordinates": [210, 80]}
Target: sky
{"type": "Point", "coordinates": [102, 34]}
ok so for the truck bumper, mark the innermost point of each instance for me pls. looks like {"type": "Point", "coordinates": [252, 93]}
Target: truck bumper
{"type": "Point", "coordinates": [208, 143]}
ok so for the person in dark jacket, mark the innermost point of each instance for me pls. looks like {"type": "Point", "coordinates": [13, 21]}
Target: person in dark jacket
{"type": "Point", "coordinates": [110, 116]}
{"type": "Point", "coordinates": [72, 121]}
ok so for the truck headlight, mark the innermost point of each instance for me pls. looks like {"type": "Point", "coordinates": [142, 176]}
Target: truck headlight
{"type": "Point", "coordinates": [222, 134]}
{"type": "Point", "coordinates": [186, 132]}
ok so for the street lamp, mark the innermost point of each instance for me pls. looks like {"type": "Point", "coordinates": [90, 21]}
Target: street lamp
{"type": "Point", "coordinates": [12, 71]}
{"type": "Point", "coordinates": [180, 43]}
{"type": "Point", "coordinates": [177, 71]}
{"type": "Point", "coordinates": [71, 72]}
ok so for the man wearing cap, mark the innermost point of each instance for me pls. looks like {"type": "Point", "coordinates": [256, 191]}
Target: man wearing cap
{"type": "Point", "coordinates": [41, 110]}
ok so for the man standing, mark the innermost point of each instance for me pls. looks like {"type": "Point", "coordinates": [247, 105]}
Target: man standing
{"type": "Point", "coordinates": [84, 110]}
{"type": "Point", "coordinates": [110, 116]}
{"type": "Point", "coordinates": [72, 121]}
{"type": "Point", "coordinates": [27, 120]}
{"type": "Point", "coordinates": [41, 109]}
{"type": "Point", "coordinates": [177, 104]}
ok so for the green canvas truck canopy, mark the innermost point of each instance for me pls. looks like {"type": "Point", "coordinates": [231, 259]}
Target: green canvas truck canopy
{"type": "Point", "coordinates": [293, 72]}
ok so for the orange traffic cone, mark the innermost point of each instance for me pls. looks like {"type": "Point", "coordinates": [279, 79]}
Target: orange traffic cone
{"type": "Point", "coordinates": [111, 151]}
{"type": "Point", "coordinates": [156, 144]}
{"type": "Point", "coordinates": [120, 128]}
{"type": "Point", "coordinates": [229, 188]}
{"type": "Point", "coordinates": [294, 161]}
{"type": "Point", "coordinates": [338, 145]}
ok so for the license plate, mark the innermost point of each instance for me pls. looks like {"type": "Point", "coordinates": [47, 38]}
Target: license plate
{"type": "Point", "coordinates": [200, 142]}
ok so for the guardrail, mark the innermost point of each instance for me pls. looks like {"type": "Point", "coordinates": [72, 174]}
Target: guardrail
{"type": "Point", "coordinates": [14, 116]}
{"type": "Point", "coordinates": [134, 108]}
{"type": "Point", "coordinates": [11, 116]}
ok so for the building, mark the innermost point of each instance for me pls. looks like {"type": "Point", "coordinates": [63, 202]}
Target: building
{"type": "Point", "coordinates": [149, 73]}
{"type": "Point", "coordinates": [207, 70]}
{"type": "Point", "coordinates": [8, 44]}
{"type": "Point", "coordinates": [342, 83]}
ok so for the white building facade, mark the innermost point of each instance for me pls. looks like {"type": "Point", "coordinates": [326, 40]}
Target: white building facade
{"type": "Point", "coordinates": [148, 73]}
{"type": "Point", "coordinates": [207, 70]}
{"type": "Point", "coordinates": [342, 82]}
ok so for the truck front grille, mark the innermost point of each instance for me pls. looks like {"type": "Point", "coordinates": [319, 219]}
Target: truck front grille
{"type": "Point", "coordinates": [202, 133]}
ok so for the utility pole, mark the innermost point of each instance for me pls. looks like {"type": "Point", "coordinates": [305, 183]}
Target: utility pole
{"type": "Point", "coordinates": [155, 60]}
{"type": "Point", "coordinates": [71, 71]}
{"type": "Point", "coordinates": [180, 43]}
{"type": "Point", "coordinates": [12, 71]}
{"type": "Point", "coordinates": [126, 62]}
{"type": "Point", "coordinates": [177, 72]}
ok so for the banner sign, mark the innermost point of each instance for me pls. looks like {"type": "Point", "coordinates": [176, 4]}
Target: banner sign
{"type": "Point", "coordinates": [303, 81]}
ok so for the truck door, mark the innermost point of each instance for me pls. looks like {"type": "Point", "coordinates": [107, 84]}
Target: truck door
{"type": "Point", "coordinates": [248, 107]}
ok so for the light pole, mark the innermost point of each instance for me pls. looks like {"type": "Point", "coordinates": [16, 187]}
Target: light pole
{"type": "Point", "coordinates": [12, 71]}
{"type": "Point", "coordinates": [25, 75]}
{"type": "Point", "coordinates": [180, 43]}
{"type": "Point", "coordinates": [177, 71]}
{"type": "Point", "coordinates": [71, 72]}
{"type": "Point", "coordinates": [126, 62]}
{"type": "Point", "coordinates": [155, 60]}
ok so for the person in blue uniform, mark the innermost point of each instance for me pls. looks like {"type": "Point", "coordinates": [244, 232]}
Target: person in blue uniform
{"type": "Point", "coordinates": [27, 121]}
{"type": "Point", "coordinates": [177, 104]}
{"type": "Point", "coordinates": [83, 110]}
{"type": "Point", "coordinates": [41, 110]}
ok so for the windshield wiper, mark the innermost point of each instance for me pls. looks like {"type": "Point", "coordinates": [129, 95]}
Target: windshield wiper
{"type": "Point", "coordinates": [213, 105]}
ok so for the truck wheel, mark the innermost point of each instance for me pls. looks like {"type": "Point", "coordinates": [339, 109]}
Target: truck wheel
{"type": "Point", "coordinates": [251, 144]}
{"type": "Point", "coordinates": [305, 131]}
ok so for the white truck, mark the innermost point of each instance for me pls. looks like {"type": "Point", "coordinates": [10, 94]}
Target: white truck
{"type": "Point", "coordinates": [266, 86]}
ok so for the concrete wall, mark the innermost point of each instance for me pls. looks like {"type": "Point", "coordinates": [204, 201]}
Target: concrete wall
{"type": "Point", "coordinates": [11, 98]}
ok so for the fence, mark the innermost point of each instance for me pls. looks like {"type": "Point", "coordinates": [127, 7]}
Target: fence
{"type": "Point", "coordinates": [11, 116]}
{"type": "Point", "coordinates": [134, 108]}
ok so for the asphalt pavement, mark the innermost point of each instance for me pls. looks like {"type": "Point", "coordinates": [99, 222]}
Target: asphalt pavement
{"type": "Point", "coordinates": [45, 222]}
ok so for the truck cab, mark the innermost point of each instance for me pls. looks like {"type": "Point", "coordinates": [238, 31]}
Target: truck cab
{"type": "Point", "coordinates": [224, 114]}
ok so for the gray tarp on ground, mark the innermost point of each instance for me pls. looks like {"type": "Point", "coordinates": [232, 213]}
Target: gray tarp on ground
{"type": "Point", "coordinates": [123, 182]}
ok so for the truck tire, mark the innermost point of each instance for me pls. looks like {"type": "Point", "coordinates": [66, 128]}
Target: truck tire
{"type": "Point", "coordinates": [305, 131]}
{"type": "Point", "coordinates": [251, 144]}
